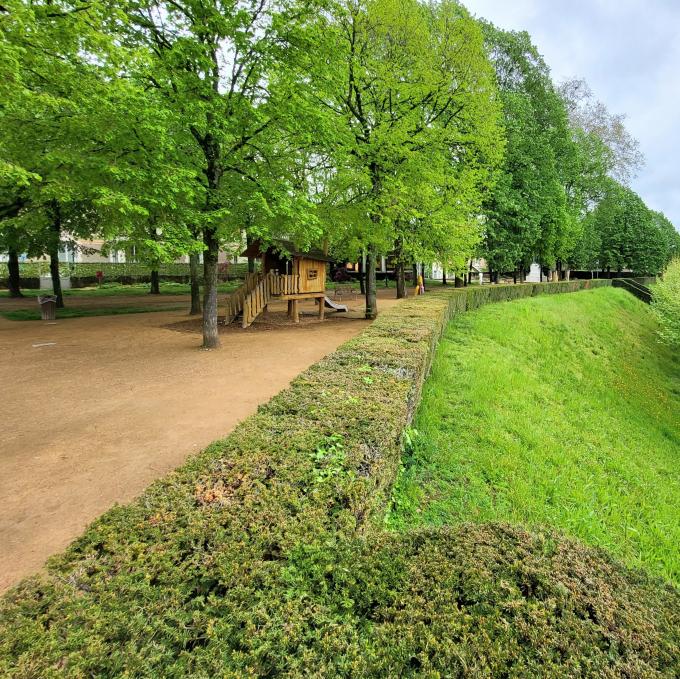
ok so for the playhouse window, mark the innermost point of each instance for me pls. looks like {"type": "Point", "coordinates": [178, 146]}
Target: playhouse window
{"type": "Point", "coordinates": [312, 274]}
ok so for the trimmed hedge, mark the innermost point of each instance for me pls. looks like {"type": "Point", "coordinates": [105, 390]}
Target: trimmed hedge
{"type": "Point", "coordinates": [110, 269]}
{"type": "Point", "coordinates": [116, 271]}
{"type": "Point", "coordinates": [265, 555]}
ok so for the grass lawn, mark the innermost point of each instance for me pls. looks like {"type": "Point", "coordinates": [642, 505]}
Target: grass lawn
{"type": "Point", "coordinates": [34, 314]}
{"type": "Point", "coordinates": [558, 411]}
{"type": "Point", "coordinates": [107, 290]}
{"type": "Point", "coordinates": [113, 289]}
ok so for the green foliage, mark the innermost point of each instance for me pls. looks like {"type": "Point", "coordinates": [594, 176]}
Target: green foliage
{"type": "Point", "coordinates": [527, 213]}
{"type": "Point", "coordinates": [477, 600]}
{"type": "Point", "coordinates": [114, 270]}
{"type": "Point", "coordinates": [622, 233]}
{"type": "Point", "coordinates": [559, 412]}
{"type": "Point", "coordinates": [410, 126]}
{"type": "Point", "coordinates": [666, 304]}
{"type": "Point", "coordinates": [265, 555]}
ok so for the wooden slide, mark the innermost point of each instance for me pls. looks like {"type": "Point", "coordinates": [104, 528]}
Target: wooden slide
{"type": "Point", "coordinates": [334, 305]}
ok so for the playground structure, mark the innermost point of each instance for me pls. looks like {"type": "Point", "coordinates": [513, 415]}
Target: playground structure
{"type": "Point", "coordinates": [293, 278]}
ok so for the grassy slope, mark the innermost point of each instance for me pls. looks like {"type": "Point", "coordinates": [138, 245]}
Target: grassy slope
{"type": "Point", "coordinates": [554, 410]}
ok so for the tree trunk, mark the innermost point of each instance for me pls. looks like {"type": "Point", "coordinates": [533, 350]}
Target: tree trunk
{"type": "Point", "coordinates": [399, 275]}
{"type": "Point", "coordinates": [14, 274]}
{"type": "Point", "coordinates": [211, 338]}
{"type": "Point", "coordinates": [371, 299]}
{"type": "Point", "coordinates": [444, 281]}
{"type": "Point", "coordinates": [55, 238]}
{"type": "Point", "coordinates": [362, 285]}
{"type": "Point", "coordinates": [195, 284]}
{"type": "Point", "coordinates": [514, 276]}
{"type": "Point", "coordinates": [415, 274]}
{"type": "Point", "coordinates": [491, 275]}
{"type": "Point", "coordinates": [401, 280]}
{"type": "Point", "coordinates": [155, 283]}
{"type": "Point", "coordinates": [249, 242]}
{"type": "Point", "coordinates": [211, 244]}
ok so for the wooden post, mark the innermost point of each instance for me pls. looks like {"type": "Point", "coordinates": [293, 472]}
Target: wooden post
{"type": "Point", "coordinates": [290, 308]}
{"type": "Point", "coordinates": [322, 308]}
{"type": "Point", "coordinates": [296, 314]}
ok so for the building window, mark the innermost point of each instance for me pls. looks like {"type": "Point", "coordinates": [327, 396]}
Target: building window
{"type": "Point", "coordinates": [312, 274]}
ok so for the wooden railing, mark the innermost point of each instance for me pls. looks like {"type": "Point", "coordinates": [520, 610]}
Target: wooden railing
{"type": "Point", "coordinates": [270, 285]}
{"type": "Point", "coordinates": [285, 284]}
{"type": "Point", "coordinates": [254, 294]}
{"type": "Point", "coordinates": [237, 298]}
{"type": "Point", "coordinates": [257, 299]}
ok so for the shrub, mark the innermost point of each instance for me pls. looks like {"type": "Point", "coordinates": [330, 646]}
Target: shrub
{"type": "Point", "coordinates": [666, 303]}
{"type": "Point", "coordinates": [114, 271]}
{"type": "Point", "coordinates": [265, 555]}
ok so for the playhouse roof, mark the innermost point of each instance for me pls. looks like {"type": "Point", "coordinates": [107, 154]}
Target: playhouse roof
{"type": "Point", "coordinates": [285, 247]}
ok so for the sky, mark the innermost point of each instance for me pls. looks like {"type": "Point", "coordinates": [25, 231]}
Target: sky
{"type": "Point", "coordinates": [629, 53]}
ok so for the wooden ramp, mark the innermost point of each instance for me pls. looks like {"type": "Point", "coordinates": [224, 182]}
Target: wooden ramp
{"type": "Point", "coordinates": [334, 305]}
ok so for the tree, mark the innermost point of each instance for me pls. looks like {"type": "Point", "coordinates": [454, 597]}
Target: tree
{"type": "Point", "coordinates": [221, 68]}
{"type": "Point", "coordinates": [527, 213]}
{"type": "Point", "coordinates": [407, 92]}
{"type": "Point", "coordinates": [630, 236]}
{"type": "Point", "coordinates": [623, 157]}
{"type": "Point", "coordinates": [50, 161]}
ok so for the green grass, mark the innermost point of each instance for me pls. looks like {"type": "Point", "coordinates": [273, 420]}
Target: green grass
{"type": "Point", "coordinates": [114, 289]}
{"type": "Point", "coordinates": [556, 411]}
{"type": "Point", "coordinates": [106, 290]}
{"type": "Point", "coordinates": [34, 314]}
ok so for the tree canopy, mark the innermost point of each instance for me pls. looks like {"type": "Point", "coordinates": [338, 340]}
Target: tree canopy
{"type": "Point", "coordinates": [371, 127]}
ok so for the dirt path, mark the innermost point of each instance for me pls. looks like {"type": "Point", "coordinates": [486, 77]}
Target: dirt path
{"type": "Point", "coordinates": [94, 409]}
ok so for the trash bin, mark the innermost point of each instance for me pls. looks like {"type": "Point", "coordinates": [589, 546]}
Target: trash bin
{"type": "Point", "coordinates": [48, 307]}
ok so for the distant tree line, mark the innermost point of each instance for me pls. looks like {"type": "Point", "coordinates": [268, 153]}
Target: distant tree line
{"type": "Point", "coordinates": [181, 127]}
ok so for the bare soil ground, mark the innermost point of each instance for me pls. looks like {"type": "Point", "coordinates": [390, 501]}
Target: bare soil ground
{"type": "Point", "coordinates": [97, 408]}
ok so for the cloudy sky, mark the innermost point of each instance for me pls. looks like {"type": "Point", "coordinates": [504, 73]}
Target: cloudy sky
{"type": "Point", "coordinates": [629, 53]}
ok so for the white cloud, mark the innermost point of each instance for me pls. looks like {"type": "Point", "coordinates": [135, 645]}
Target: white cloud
{"type": "Point", "coordinates": [629, 52]}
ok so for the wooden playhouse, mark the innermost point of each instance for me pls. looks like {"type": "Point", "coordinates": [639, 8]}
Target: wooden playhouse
{"type": "Point", "coordinates": [285, 273]}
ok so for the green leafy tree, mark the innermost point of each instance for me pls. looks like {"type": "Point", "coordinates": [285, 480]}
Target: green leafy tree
{"type": "Point", "coordinates": [630, 236]}
{"type": "Point", "coordinates": [47, 125]}
{"type": "Point", "coordinates": [408, 94]}
{"type": "Point", "coordinates": [221, 68]}
{"type": "Point", "coordinates": [527, 213]}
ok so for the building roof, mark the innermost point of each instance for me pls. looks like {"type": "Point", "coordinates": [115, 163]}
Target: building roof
{"type": "Point", "coordinates": [285, 248]}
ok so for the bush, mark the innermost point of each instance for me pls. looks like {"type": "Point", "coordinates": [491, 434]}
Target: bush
{"type": "Point", "coordinates": [666, 304]}
{"type": "Point", "coordinates": [478, 601]}
{"type": "Point", "coordinates": [265, 555]}
{"type": "Point", "coordinates": [118, 271]}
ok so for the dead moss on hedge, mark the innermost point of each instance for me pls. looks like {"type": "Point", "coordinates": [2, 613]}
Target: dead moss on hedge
{"type": "Point", "coordinates": [264, 554]}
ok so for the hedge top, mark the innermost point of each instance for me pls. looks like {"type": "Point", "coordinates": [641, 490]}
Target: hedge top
{"type": "Point", "coordinates": [265, 554]}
